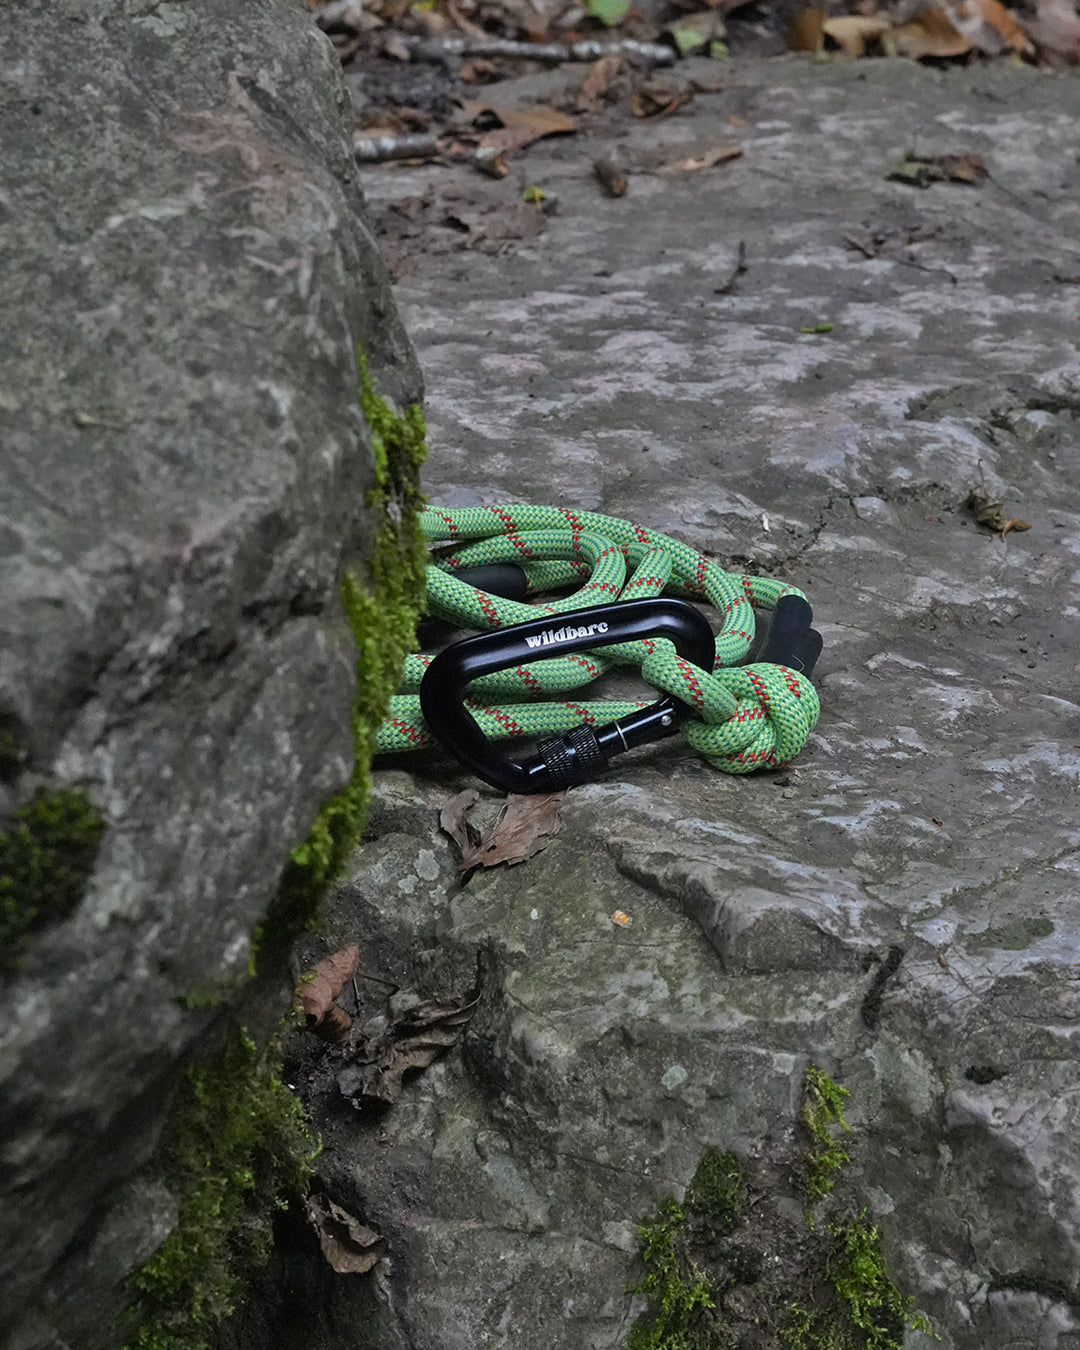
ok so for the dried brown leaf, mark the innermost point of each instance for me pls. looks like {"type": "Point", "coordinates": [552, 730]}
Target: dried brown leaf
{"type": "Point", "coordinates": [990, 26]}
{"type": "Point", "coordinates": [318, 989]}
{"type": "Point", "coordinates": [715, 154]}
{"type": "Point", "coordinates": [350, 1246]}
{"type": "Point", "coordinates": [599, 81]}
{"type": "Point", "coordinates": [931, 34]}
{"type": "Point", "coordinates": [411, 1041]}
{"type": "Point", "coordinates": [853, 33]}
{"type": "Point", "coordinates": [962, 168]}
{"type": "Point", "coordinates": [1014, 524]}
{"type": "Point", "coordinates": [659, 98]}
{"type": "Point", "coordinates": [524, 826]}
{"type": "Point", "coordinates": [454, 821]}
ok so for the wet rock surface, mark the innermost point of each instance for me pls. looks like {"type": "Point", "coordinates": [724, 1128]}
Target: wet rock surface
{"type": "Point", "coordinates": [901, 906]}
{"type": "Point", "coordinates": [187, 272]}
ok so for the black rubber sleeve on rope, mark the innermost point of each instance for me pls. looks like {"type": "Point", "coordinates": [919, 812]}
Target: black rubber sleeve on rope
{"type": "Point", "coordinates": [506, 580]}
{"type": "Point", "coordinates": [791, 641]}
{"type": "Point", "coordinates": [578, 755]}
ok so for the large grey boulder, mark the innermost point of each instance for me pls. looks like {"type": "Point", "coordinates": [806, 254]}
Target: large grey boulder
{"type": "Point", "coordinates": [901, 908]}
{"type": "Point", "coordinates": [187, 275]}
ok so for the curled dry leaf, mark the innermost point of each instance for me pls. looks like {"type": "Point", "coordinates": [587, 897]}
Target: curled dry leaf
{"type": "Point", "coordinates": [350, 1246]}
{"type": "Point", "coordinates": [990, 26]}
{"type": "Point", "coordinates": [599, 82]}
{"type": "Point", "coordinates": [659, 98]}
{"type": "Point", "coordinates": [992, 514]}
{"type": "Point", "coordinates": [524, 826]}
{"type": "Point", "coordinates": [854, 33]}
{"type": "Point", "coordinates": [715, 154]}
{"type": "Point", "coordinates": [318, 989]}
{"type": "Point", "coordinates": [931, 34]}
{"type": "Point", "coordinates": [922, 170]}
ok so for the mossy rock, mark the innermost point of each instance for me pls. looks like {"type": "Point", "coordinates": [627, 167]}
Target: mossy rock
{"type": "Point", "coordinates": [47, 854]}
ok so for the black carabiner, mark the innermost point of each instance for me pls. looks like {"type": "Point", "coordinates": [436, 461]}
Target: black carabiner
{"type": "Point", "coordinates": [577, 755]}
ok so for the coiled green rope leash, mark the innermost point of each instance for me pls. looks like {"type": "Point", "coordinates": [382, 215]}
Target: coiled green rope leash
{"type": "Point", "coordinates": [746, 717]}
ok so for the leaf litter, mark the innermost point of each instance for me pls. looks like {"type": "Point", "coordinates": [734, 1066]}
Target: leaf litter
{"type": "Point", "coordinates": [525, 825]}
{"type": "Point", "coordinates": [410, 1036]}
{"type": "Point", "coordinates": [317, 992]}
{"type": "Point", "coordinates": [351, 1247]}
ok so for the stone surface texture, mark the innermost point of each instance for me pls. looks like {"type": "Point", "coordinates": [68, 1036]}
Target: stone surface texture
{"type": "Point", "coordinates": [902, 907]}
{"type": "Point", "coordinates": [183, 466]}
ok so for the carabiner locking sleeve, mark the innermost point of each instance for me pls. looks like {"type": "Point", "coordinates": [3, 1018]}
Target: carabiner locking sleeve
{"type": "Point", "coordinates": [578, 755]}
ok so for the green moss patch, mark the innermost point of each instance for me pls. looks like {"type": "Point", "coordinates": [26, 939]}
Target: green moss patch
{"type": "Point", "coordinates": [47, 854]}
{"type": "Point", "coordinates": [382, 612]}
{"type": "Point", "coordinates": [235, 1149]}
{"type": "Point", "coordinates": [722, 1274]}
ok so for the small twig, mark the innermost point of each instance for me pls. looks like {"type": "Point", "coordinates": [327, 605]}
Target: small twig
{"type": "Point", "coordinates": [378, 979]}
{"type": "Point", "coordinates": [736, 272]}
{"type": "Point", "coordinates": [552, 53]}
{"type": "Point", "coordinates": [380, 149]}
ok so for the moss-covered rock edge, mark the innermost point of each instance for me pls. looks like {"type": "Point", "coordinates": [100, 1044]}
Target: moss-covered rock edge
{"type": "Point", "coordinates": [236, 1145]}
{"type": "Point", "coordinates": [47, 854]}
{"type": "Point", "coordinates": [846, 1300]}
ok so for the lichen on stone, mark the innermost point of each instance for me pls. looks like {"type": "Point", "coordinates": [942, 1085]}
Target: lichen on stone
{"type": "Point", "coordinates": [47, 854]}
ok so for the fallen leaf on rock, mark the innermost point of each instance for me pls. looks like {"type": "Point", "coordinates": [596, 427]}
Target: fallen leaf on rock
{"type": "Point", "coordinates": [524, 826]}
{"type": "Point", "coordinates": [412, 1040]}
{"type": "Point", "coordinates": [350, 1246]}
{"type": "Point", "coordinates": [621, 919]}
{"type": "Point", "coordinates": [319, 987]}
{"type": "Point", "coordinates": [659, 98]}
{"type": "Point", "coordinates": [519, 221]}
{"type": "Point", "coordinates": [853, 33]}
{"type": "Point", "coordinates": [922, 170]}
{"type": "Point", "coordinates": [992, 514]}
{"type": "Point", "coordinates": [990, 26]}
{"type": "Point", "coordinates": [454, 820]}
{"type": "Point", "coordinates": [599, 81]}
{"type": "Point", "coordinates": [931, 35]}
{"type": "Point", "coordinates": [962, 168]}
{"type": "Point", "coordinates": [715, 154]}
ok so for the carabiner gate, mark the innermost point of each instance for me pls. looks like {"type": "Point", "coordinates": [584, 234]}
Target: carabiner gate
{"type": "Point", "coordinates": [577, 755]}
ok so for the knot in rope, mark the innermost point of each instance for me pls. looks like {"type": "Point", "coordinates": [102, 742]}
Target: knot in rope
{"type": "Point", "coordinates": [745, 717]}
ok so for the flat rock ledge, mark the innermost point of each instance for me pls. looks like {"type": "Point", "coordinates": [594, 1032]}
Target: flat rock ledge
{"type": "Point", "coordinates": [899, 909]}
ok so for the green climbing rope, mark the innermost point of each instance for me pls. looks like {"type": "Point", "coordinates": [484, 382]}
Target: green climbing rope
{"type": "Point", "coordinates": [746, 717]}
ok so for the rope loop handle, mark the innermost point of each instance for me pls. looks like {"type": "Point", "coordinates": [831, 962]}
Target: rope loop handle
{"type": "Point", "coordinates": [745, 717]}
